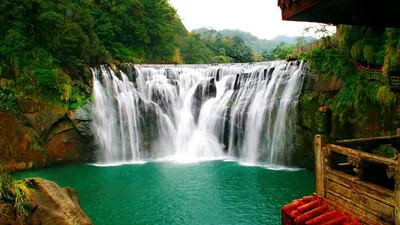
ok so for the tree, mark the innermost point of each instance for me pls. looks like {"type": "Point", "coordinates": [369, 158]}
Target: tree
{"type": "Point", "coordinates": [257, 57]}
{"type": "Point", "coordinates": [300, 41]}
{"type": "Point", "coordinates": [266, 55]}
{"type": "Point", "coordinates": [282, 51]}
{"type": "Point", "coordinates": [195, 51]}
{"type": "Point", "coordinates": [237, 50]}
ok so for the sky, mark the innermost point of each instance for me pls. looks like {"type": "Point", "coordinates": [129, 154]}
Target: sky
{"type": "Point", "coordinates": [262, 18]}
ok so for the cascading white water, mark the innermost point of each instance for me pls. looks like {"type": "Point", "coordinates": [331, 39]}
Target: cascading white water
{"type": "Point", "coordinates": [190, 113]}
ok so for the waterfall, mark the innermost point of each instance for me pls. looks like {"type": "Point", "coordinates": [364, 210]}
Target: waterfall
{"type": "Point", "coordinates": [197, 112]}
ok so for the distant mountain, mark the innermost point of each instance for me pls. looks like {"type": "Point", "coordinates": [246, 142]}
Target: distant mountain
{"type": "Point", "coordinates": [254, 42]}
{"type": "Point", "coordinates": [291, 40]}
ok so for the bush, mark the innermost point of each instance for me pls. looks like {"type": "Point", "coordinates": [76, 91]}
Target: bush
{"type": "Point", "coordinates": [47, 80]}
{"type": "Point", "coordinates": [385, 151]}
{"type": "Point", "coordinates": [15, 193]}
{"type": "Point", "coordinates": [77, 98]}
{"type": "Point", "coordinates": [8, 101]}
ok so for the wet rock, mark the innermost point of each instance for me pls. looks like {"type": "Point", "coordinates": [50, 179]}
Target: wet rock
{"type": "Point", "coordinates": [42, 135]}
{"type": "Point", "coordinates": [130, 71]}
{"type": "Point", "coordinates": [70, 142]}
{"type": "Point", "coordinates": [59, 127]}
{"type": "Point", "coordinates": [41, 114]}
{"type": "Point", "coordinates": [236, 85]}
{"type": "Point", "coordinates": [20, 145]}
{"type": "Point", "coordinates": [81, 119]}
{"type": "Point", "coordinates": [175, 83]}
{"type": "Point", "coordinates": [148, 125]}
{"type": "Point", "coordinates": [218, 74]}
{"type": "Point", "coordinates": [205, 90]}
{"type": "Point", "coordinates": [171, 74]}
{"type": "Point", "coordinates": [84, 128]}
{"type": "Point", "coordinates": [66, 146]}
{"type": "Point", "coordinates": [43, 120]}
{"type": "Point", "coordinates": [28, 105]}
{"type": "Point", "coordinates": [52, 205]}
{"type": "Point", "coordinates": [83, 113]}
{"type": "Point", "coordinates": [226, 134]}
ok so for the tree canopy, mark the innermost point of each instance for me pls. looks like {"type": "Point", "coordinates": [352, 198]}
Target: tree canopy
{"type": "Point", "coordinates": [46, 46]}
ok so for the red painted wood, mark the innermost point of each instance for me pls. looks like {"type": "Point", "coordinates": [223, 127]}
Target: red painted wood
{"type": "Point", "coordinates": [297, 7]}
{"type": "Point", "coordinates": [314, 211]}
{"type": "Point", "coordinates": [311, 214]}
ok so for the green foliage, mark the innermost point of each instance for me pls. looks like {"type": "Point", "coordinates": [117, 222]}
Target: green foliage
{"type": "Point", "coordinates": [330, 62]}
{"type": "Point", "coordinates": [367, 44]}
{"type": "Point", "coordinates": [5, 182]}
{"type": "Point", "coordinates": [15, 193]}
{"type": "Point", "coordinates": [359, 95]}
{"type": "Point", "coordinates": [300, 41]}
{"type": "Point", "coordinates": [77, 98]}
{"type": "Point", "coordinates": [200, 49]}
{"type": "Point", "coordinates": [195, 51]}
{"type": "Point", "coordinates": [309, 104]}
{"type": "Point", "coordinates": [221, 59]}
{"type": "Point", "coordinates": [282, 51]}
{"type": "Point", "coordinates": [21, 194]}
{"type": "Point", "coordinates": [47, 80]}
{"type": "Point", "coordinates": [8, 98]}
{"type": "Point", "coordinates": [386, 97]}
{"type": "Point", "coordinates": [328, 102]}
{"type": "Point", "coordinates": [8, 101]}
{"type": "Point", "coordinates": [250, 40]}
{"type": "Point", "coordinates": [387, 151]}
{"type": "Point", "coordinates": [42, 40]}
{"type": "Point", "coordinates": [238, 50]}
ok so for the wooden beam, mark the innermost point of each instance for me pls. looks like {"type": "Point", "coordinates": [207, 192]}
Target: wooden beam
{"type": "Point", "coordinates": [361, 155]}
{"type": "Point", "coordinates": [385, 139]}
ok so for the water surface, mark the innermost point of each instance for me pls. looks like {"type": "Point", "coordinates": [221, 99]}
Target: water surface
{"type": "Point", "coordinates": [214, 192]}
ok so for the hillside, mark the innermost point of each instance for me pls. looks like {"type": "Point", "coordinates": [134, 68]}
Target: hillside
{"type": "Point", "coordinates": [254, 42]}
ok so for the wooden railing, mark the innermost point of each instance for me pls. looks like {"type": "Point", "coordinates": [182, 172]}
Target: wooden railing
{"type": "Point", "coordinates": [347, 185]}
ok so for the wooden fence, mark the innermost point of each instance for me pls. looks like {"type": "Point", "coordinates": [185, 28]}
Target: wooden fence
{"type": "Point", "coordinates": [349, 185]}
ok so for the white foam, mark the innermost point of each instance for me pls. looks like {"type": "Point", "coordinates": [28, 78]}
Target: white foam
{"type": "Point", "coordinates": [119, 164]}
{"type": "Point", "coordinates": [270, 166]}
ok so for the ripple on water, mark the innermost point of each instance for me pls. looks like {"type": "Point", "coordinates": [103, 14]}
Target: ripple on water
{"type": "Point", "coordinates": [212, 192]}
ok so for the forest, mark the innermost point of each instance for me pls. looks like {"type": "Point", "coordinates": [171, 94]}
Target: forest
{"type": "Point", "coordinates": [48, 46]}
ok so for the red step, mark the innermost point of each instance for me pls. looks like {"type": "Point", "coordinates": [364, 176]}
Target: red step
{"type": "Point", "coordinates": [314, 211]}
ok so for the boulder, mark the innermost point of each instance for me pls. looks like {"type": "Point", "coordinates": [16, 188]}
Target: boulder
{"type": "Point", "coordinates": [52, 205]}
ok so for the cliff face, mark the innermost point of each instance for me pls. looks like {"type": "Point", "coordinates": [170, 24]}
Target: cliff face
{"type": "Point", "coordinates": [353, 76]}
{"type": "Point", "coordinates": [43, 133]}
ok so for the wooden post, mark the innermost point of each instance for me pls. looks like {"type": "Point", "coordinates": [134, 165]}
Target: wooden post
{"type": "Point", "coordinates": [398, 131]}
{"type": "Point", "coordinates": [396, 176]}
{"type": "Point", "coordinates": [319, 142]}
